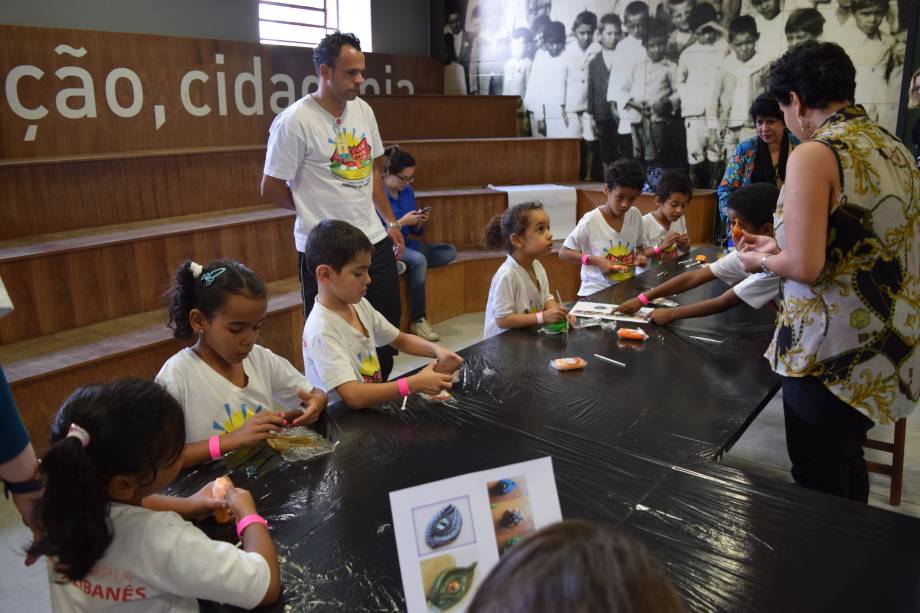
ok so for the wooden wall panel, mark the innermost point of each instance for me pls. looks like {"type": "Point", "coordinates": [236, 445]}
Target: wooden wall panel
{"type": "Point", "coordinates": [453, 163]}
{"type": "Point", "coordinates": [159, 64]}
{"type": "Point", "coordinates": [402, 117]}
{"type": "Point", "coordinates": [460, 218]}
{"type": "Point", "coordinates": [39, 398]}
{"type": "Point", "coordinates": [76, 288]}
{"type": "Point", "coordinates": [55, 197]}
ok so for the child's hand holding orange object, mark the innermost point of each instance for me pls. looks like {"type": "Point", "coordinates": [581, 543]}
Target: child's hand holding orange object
{"type": "Point", "coordinates": [219, 490]}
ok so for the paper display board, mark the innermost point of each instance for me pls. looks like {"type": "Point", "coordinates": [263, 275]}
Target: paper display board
{"type": "Point", "coordinates": [450, 533]}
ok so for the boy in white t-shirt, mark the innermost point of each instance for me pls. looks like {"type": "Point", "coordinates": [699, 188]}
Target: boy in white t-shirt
{"type": "Point", "coordinates": [609, 241]}
{"type": "Point", "coordinates": [665, 227]}
{"type": "Point", "coordinates": [753, 207]}
{"type": "Point", "coordinates": [343, 331]}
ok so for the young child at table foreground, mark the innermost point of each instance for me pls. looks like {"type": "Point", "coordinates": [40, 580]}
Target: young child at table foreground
{"type": "Point", "coordinates": [343, 331]}
{"type": "Point", "coordinates": [227, 384]}
{"type": "Point", "coordinates": [752, 206]}
{"type": "Point", "coordinates": [665, 227]}
{"type": "Point", "coordinates": [519, 296]}
{"type": "Point", "coordinates": [112, 542]}
{"type": "Point", "coordinates": [609, 242]}
{"type": "Point", "coordinates": [576, 565]}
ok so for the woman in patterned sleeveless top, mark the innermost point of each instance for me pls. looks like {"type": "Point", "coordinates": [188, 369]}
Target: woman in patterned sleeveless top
{"type": "Point", "coordinates": [848, 250]}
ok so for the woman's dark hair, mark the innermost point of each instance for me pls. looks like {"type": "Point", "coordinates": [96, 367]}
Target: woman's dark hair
{"type": "Point", "coordinates": [334, 243]}
{"type": "Point", "coordinates": [820, 73]}
{"type": "Point", "coordinates": [754, 203]}
{"type": "Point", "coordinates": [513, 221]}
{"type": "Point", "coordinates": [208, 291]}
{"type": "Point", "coordinates": [625, 172]}
{"type": "Point", "coordinates": [328, 50]}
{"type": "Point", "coordinates": [766, 105]}
{"type": "Point", "coordinates": [577, 566]}
{"type": "Point", "coordinates": [135, 428]}
{"type": "Point", "coordinates": [673, 182]}
{"type": "Point", "coordinates": [396, 159]}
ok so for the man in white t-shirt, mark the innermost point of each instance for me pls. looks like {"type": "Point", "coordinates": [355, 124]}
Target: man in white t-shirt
{"type": "Point", "coordinates": [324, 161]}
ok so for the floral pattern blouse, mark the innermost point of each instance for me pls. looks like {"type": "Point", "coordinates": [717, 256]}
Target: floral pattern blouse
{"type": "Point", "coordinates": [856, 327]}
{"type": "Point", "coordinates": [739, 169]}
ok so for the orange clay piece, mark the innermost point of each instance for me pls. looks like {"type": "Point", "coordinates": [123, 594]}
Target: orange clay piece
{"type": "Point", "coordinates": [219, 491]}
{"type": "Point", "coordinates": [632, 334]}
{"type": "Point", "coordinates": [701, 258]}
{"type": "Point", "coordinates": [736, 231]}
{"type": "Point", "coordinates": [567, 363]}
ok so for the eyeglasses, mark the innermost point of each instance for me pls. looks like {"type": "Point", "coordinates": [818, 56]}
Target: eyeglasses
{"type": "Point", "coordinates": [405, 179]}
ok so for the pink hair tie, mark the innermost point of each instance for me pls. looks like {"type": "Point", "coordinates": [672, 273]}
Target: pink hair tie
{"type": "Point", "coordinates": [214, 447]}
{"type": "Point", "coordinates": [78, 433]}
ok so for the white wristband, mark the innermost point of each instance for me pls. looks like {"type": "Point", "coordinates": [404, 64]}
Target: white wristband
{"type": "Point", "coordinates": [540, 318]}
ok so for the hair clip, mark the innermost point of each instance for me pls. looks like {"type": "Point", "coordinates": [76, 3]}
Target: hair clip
{"type": "Point", "coordinates": [78, 433]}
{"type": "Point", "coordinates": [196, 269]}
{"type": "Point", "coordinates": [210, 276]}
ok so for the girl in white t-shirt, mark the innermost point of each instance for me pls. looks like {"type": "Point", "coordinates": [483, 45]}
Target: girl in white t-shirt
{"type": "Point", "coordinates": [609, 241]}
{"type": "Point", "coordinates": [227, 384]}
{"type": "Point", "coordinates": [519, 296]}
{"type": "Point", "coordinates": [112, 542]}
{"type": "Point", "coordinates": [665, 227]}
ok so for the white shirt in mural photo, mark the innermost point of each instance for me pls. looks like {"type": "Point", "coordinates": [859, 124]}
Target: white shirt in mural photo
{"type": "Point", "coordinates": [755, 289]}
{"type": "Point", "coordinates": [513, 292]}
{"type": "Point", "coordinates": [594, 236]}
{"type": "Point", "coordinates": [214, 405]}
{"type": "Point", "coordinates": [334, 352]}
{"type": "Point", "coordinates": [159, 562]}
{"type": "Point", "coordinates": [328, 163]}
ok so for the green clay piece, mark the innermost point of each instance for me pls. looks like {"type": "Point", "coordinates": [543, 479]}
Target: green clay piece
{"type": "Point", "coordinates": [450, 586]}
{"type": "Point", "coordinates": [510, 543]}
{"type": "Point", "coordinates": [558, 327]}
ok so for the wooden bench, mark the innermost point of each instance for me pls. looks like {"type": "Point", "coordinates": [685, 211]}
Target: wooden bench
{"type": "Point", "coordinates": [420, 116]}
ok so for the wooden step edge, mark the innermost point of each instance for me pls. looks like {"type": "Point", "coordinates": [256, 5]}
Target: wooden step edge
{"type": "Point", "coordinates": [128, 155]}
{"type": "Point", "coordinates": [107, 236]}
{"type": "Point", "coordinates": [223, 149]}
{"type": "Point", "coordinates": [149, 330]}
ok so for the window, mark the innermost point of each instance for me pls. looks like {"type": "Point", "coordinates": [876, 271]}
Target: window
{"type": "Point", "coordinates": [304, 23]}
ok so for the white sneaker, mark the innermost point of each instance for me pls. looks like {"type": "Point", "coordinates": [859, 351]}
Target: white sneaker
{"type": "Point", "coordinates": [400, 267]}
{"type": "Point", "coordinates": [423, 328]}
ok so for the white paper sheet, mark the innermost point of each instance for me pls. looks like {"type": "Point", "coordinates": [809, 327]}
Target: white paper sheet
{"type": "Point", "coordinates": [559, 202]}
{"type": "Point", "coordinates": [6, 305]}
{"type": "Point", "coordinates": [608, 312]}
{"type": "Point", "coordinates": [480, 534]}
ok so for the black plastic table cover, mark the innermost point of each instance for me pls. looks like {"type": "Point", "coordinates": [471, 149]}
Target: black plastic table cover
{"type": "Point", "coordinates": [634, 446]}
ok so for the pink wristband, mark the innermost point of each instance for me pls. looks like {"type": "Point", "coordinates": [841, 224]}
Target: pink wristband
{"type": "Point", "coordinates": [540, 318]}
{"type": "Point", "coordinates": [246, 521]}
{"type": "Point", "coordinates": [657, 251]}
{"type": "Point", "coordinates": [214, 447]}
{"type": "Point", "coordinates": [403, 386]}
{"type": "Point", "coordinates": [643, 299]}
{"type": "Point", "coordinates": [584, 259]}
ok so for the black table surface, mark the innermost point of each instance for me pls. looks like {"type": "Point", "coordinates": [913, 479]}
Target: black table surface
{"type": "Point", "coordinates": [630, 445]}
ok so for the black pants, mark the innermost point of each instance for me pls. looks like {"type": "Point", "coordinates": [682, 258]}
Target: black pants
{"type": "Point", "coordinates": [825, 438]}
{"type": "Point", "coordinates": [382, 293]}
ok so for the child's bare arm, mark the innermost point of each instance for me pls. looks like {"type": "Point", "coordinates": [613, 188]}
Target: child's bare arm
{"type": "Point", "coordinates": [679, 284]}
{"type": "Point", "coordinates": [725, 301]}
{"type": "Point", "coordinates": [362, 395]}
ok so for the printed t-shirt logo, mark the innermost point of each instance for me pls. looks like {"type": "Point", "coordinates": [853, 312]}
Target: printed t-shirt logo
{"type": "Point", "coordinates": [370, 367]}
{"type": "Point", "coordinates": [351, 157]}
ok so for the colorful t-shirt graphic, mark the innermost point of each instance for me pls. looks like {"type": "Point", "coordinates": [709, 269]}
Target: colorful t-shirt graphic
{"type": "Point", "coordinates": [351, 158]}
{"type": "Point", "coordinates": [235, 418]}
{"type": "Point", "coordinates": [624, 255]}
{"type": "Point", "coordinates": [370, 367]}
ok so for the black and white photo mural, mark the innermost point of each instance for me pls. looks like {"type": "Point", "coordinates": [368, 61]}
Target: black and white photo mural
{"type": "Point", "coordinates": [669, 82]}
